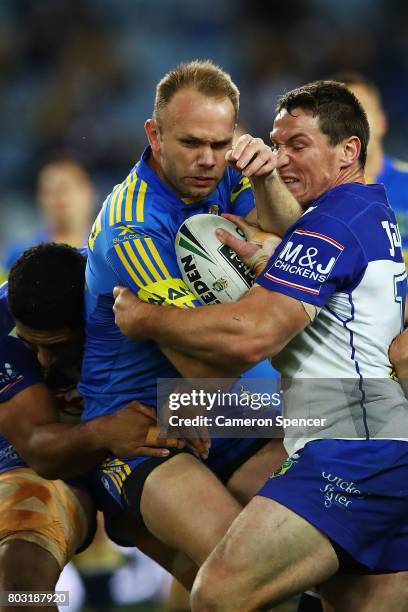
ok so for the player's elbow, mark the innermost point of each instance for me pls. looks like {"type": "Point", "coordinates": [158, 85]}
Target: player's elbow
{"type": "Point", "coordinates": [251, 350]}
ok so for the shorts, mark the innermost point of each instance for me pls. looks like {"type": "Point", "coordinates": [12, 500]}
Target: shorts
{"type": "Point", "coordinates": [46, 512]}
{"type": "Point", "coordinates": [110, 477]}
{"type": "Point", "coordinates": [355, 492]}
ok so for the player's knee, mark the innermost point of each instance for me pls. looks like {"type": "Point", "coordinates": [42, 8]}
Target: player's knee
{"type": "Point", "coordinates": [25, 566]}
{"type": "Point", "coordinates": [210, 590]}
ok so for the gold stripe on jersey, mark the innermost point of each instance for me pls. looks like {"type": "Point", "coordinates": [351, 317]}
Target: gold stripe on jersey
{"type": "Point", "coordinates": [96, 230]}
{"type": "Point", "coordinates": [140, 201]}
{"type": "Point", "coordinates": [156, 256]}
{"type": "Point", "coordinates": [136, 279]}
{"type": "Point", "coordinates": [129, 197]}
{"type": "Point", "coordinates": [136, 263]}
{"type": "Point", "coordinates": [125, 189]}
{"type": "Point", "coordinates": [243, 184]}
{"type": "Point", "coordinates": [138, 244]}
{"type": "Point", "coordinates": [114, 197]}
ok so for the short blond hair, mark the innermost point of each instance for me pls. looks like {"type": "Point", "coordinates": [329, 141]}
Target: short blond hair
{"type": "Point", "coordinates": [202, 75]}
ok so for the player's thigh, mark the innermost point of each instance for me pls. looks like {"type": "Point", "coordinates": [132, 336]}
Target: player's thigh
{"type": "Point", "coordinates": [344, 592]}
{"type": "Point", "coordinates": [268, 554]}
{"type": "Point", "coordinates": [250, 476]}
{"type": "Point", "coordinates": [185, 506]}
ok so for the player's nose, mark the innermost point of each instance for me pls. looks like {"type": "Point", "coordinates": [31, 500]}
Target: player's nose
{"type": "Point", "coordinates": [207, 157]}
{"type": "Point", "coordinates": [45, 358]}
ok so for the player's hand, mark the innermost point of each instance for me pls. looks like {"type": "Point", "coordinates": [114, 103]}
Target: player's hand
{"type": "Point", "coordinates": [133, 431]}
{"type": "Point", "coordinates": [129, 313]}
{"type": "Point", "coordinates": [251, 157]}
{"type": "Point", "coordinates": [259, 245]}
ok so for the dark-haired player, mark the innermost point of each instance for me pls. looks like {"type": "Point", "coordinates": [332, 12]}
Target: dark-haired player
{"type": "Point", "coordinates": [44, 522]}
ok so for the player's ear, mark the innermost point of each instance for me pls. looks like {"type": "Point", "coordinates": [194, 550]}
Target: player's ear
{"type": "Point", "coordinates": [350, 151]}
{"type": "Point", "coordinates": [153, 134]}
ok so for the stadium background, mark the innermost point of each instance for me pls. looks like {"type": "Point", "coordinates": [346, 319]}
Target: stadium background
{"type": "Point", "coordinates": [78, 76]}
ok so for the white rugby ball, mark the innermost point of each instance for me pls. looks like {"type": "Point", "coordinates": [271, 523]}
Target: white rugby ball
{"type": "Point", "coordinates": [210, 269]}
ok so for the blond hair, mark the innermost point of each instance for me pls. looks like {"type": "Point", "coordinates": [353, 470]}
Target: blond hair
{"type": "Point", "coordinates": [202, 75]}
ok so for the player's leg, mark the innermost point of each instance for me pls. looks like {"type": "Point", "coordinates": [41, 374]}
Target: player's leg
{"type": "Point", "coordinates": [269, 554]}
{"type": "Point", "coordinates": [344, 592]}
{"type": "Point", "coordinates": [25, 566]}
{"type": "Point", "coordinates": [251, 475]}
{"type": "Point", "coordinates": [43, 524]}
{"type": "Point", "coordinates": [186, 507]}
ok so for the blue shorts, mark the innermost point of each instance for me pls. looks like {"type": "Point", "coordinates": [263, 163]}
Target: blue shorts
{"type": "Point", "coordinates": [355, 492]}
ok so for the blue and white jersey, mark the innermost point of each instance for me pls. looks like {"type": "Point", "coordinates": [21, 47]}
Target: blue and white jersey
{"type": "Point", "coordinates": [343, 256]}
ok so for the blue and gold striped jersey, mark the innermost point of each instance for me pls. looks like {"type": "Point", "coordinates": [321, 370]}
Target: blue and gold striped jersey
{"type": "Point", "coordinates": [132, 244]}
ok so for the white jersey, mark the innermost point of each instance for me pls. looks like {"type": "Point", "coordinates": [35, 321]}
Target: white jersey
{"type": "Point", "coordinates": [344, 256]}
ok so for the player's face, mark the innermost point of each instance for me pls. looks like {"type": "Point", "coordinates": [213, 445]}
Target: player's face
{"type": "Point", "coordinates": [306, 162]}
{"type": "Point", "coordinates": [61, 348]}
{"type": "Point", "coordinates": [190, 144]}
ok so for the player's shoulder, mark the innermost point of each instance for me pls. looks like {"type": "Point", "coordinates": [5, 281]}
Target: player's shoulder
{"type": "Point", "coordinates": [18, 367]}
{"type": "Point", "coordinates": [353, 201]}
{"type": "Point", "coordinates": [400, 167]}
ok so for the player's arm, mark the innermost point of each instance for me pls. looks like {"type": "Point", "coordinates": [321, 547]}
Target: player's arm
{"type": "Point", "coordinates": [276, 208]}
{"type": "Point", "coordinates": [240, 334]}
{"type": "Point", "coordinates": [29, 421]}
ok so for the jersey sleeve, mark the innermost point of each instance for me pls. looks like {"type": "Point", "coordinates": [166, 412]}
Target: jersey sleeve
{"type": "Point", "coordinates": [19, 368]}
{"type": "Point", "coordinates": [241, 196]}
{"type": "Point", "coordinates": [147, 264]}
{"type": "Point", "coordinates": [314, 260]}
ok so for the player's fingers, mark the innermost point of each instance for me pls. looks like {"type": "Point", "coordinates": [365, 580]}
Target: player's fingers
{"type": "Point", "coordinates": [257, 166]}
{"type": "Point", "coordinates": [239, 147]}
{"type": "Point", "coordinates": [146, 451]}
{"type": "Point", "coordinates": [255, 149]}
{"type": "Point", "coordinates": [242, 248]}
{"type": "Point", "coordinates": [117, 291]}
{"type": "Point", "coordinates": [241, 222]}
{"type": "Point", "coordinates": [152, 439]}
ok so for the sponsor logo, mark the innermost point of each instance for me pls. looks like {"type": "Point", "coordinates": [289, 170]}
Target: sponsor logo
{"type": "Point", "coordinates": [286, 465]}
{"type": "Point", "coordinates": [338, 491]}
{"type": "Point", "coordinates": [306, 255]}
{"type": "Point", "coordinates": [129, 232]}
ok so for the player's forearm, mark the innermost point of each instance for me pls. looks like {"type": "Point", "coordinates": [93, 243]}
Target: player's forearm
{"type": "Point", "coordinates": [220, 342]}
{"type": "Point", "coordinates": [276, 207]}
{"type": "Point", "coordinates": [59, 450]}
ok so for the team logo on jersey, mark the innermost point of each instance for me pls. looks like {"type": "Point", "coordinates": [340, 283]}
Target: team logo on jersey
{"type": "Point", "coordinates": [286, 465]}
{"type": "Point", "coordinates": [213, 210]}
{"type": "Point", "coordinates": [305, 261]}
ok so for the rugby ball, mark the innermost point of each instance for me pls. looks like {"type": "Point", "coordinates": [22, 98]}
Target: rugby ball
{"type": "Point", "coordinates": [211, 270]}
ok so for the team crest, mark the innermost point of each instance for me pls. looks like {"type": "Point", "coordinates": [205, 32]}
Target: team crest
{"type": "Point", "coordinates": [286, 465]}
{"type": "Point", "coordinates": [213, 210]}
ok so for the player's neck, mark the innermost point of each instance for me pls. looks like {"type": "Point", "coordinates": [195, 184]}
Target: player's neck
{"type": "Point", "coordinates": [353, 174]}
{"type": "Point", "coordinates": [73, 237]}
